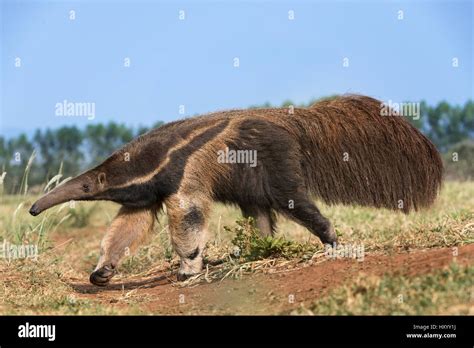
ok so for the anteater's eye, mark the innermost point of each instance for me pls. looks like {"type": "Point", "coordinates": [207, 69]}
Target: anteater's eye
{"type": "Point", "coordinates": [85, 188]}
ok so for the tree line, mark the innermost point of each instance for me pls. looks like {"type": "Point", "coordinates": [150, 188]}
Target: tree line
{"type": "Point", "coordinates": [68, 150]}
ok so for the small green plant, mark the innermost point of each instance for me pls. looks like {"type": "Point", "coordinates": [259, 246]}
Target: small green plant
{"type": "Point", "coordinates": [249, 245]}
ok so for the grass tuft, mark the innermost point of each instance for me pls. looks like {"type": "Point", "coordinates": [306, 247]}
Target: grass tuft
{"type": "Point", "coordinates": [250, 245]}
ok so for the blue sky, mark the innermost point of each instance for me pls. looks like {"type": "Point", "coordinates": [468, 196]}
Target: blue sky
{"type": "Point", "coordinates": [190, 62]}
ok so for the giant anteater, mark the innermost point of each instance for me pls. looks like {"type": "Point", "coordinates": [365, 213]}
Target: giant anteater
{"type": "Point", "coordinates": [341, 150]}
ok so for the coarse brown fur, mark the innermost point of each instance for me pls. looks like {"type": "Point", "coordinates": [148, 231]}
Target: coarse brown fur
{"type": "Point", "coordinates": [340, 150]}
{"type": "Point", "coordinates": [128, 230]}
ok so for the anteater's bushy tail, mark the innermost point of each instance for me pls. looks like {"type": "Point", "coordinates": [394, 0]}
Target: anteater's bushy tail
{"type": "Point", "coordinates": [354, 154]}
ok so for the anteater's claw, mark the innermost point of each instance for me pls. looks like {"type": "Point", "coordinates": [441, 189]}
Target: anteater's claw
{"type": "Point", "coordinates": [102, 276]}
{"type": "Point", "coordinates": [183, 276]}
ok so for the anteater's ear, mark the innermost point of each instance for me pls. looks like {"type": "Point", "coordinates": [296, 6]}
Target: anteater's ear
{"type": "Point", "coordinates": [101, 179]}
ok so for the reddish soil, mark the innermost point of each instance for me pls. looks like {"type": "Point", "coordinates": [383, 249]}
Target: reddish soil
{"type": "Point", "coordinates": [266, 293]}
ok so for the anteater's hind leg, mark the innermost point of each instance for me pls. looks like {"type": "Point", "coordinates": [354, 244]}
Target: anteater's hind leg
{"type": "Point", "coordinates": [187, 216]}
{"type": "Point", "coordinates": [128, 229]}
{"type": "Point", "coordinates": [304, 211]}
{"type": "Point", "coordinates": [264, 219]}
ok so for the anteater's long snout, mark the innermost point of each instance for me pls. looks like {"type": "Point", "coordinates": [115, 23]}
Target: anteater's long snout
{"type": "Point", "coordinates": [35, 209]}
{"type": "Point", "coordinates": [74, 189]}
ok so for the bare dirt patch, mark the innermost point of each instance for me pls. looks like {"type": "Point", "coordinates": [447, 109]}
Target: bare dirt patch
{"type": "Point", "coordinates": [264, 293]}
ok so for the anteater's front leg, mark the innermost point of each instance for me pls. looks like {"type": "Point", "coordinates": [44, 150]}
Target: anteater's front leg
{"type": "Point", "coordinates": [187, 217]}
{"type": "Point", "coordinates": [128, 229]}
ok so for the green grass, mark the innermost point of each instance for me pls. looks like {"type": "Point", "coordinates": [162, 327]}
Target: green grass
{"type": "Point", "coordinates": [79, 216]}
{"type": "Point", "coordinates": [448, 291]}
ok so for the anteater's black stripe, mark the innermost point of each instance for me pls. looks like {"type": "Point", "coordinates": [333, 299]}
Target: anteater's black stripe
{"type": "Point", "coordinates": [168, 180]}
